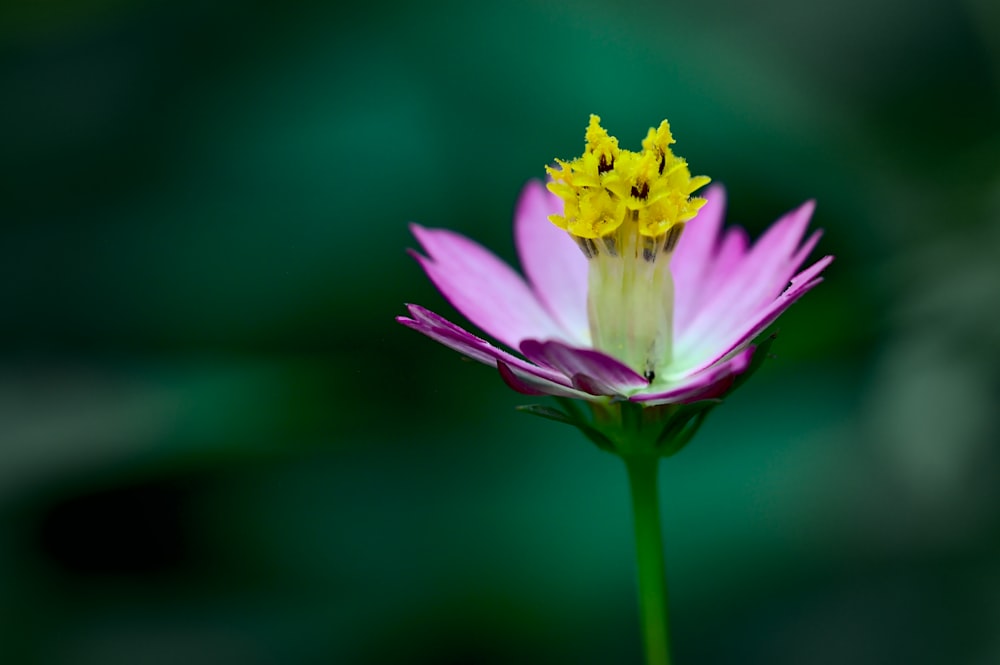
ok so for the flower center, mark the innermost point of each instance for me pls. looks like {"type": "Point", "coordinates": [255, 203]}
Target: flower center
{"type": "Point", "coordinates": [626, 211]}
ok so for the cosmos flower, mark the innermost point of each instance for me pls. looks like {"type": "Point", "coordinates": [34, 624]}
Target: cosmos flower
{"type": "Point", "coordinates": [632, 289]}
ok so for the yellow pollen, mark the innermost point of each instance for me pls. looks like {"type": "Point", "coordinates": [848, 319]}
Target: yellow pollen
{"type": "Point", "coordinates": [607, 187]}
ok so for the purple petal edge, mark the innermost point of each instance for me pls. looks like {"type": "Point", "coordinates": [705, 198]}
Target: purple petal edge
{"type": "Point", "coordinates": [514, 382]}
{"type": "Point", "coordinates": [528, 384]}
{"type": "Point", "coordinates": [543, 380]}
{"type": "Point", "coordinates": [591, 371]}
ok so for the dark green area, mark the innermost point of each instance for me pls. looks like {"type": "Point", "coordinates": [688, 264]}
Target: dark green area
{"type": "Point", "coordinates": [217, 447]}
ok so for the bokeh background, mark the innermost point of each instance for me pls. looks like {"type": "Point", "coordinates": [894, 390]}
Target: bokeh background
{"type": "Point", "coordinates": [216, 446]}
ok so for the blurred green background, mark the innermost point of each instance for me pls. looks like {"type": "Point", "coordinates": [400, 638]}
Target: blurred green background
{"type": "Point", "coordinates": [216, 446]}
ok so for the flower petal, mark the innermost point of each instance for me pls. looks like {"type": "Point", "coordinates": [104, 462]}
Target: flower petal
{"type": "Point", "coordinates": [744, 286]}
{"type": "Point", "coordinates": [529, 384]}
{"type": "Point", "coordinates": [732, 252]}
{"type": "Point", "coordinates": [694, 253]}
{"type": "Point", "coordinates": [456, 338]}
{"type": "Point", "coordinates": [483, 288]}
{"type": "Point", "coordinates": [720, 269]}
{"type": "Point", "coordinates": [515, 383]}
{"type": "Point", "coordinates": [555, 266]}
{"type": "Point", "coordinates": [589, 370]}
{"type": "Point", "coordinates": [516, 373]}
{"type": "Point", "coordinates": [753, 326]}
{"type": "Point", "coordinates": [700, 385]}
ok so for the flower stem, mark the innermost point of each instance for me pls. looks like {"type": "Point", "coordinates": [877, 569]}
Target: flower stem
{"type": "Point", "coordinates": [642, 474]}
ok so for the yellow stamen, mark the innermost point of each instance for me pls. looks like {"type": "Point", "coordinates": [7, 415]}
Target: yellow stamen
{"type": "Point", "coordinates": [607, 187]}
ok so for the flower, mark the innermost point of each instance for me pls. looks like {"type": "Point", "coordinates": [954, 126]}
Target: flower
{"type": "Point", "coordinates": [618, 303]}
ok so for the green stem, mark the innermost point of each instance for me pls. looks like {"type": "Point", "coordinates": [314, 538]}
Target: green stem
{"type": "Point", "coordinates": [642, 474]}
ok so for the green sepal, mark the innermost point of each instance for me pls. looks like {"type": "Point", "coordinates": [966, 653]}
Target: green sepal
{"type": "Point", "coordinates": [546, 412]}
{"type": "Point", "coordinates": [682, 425]}
{"type": "Point", "coordinates": [574, 417]}
{"type": "Point", "coordinates": [572, 408]}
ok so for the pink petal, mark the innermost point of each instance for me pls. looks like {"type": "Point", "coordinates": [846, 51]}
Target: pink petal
{"type": "Point", "coordinates": [700, 385]}
{"type": "Point", "coordinates": [695, 251]}
{"type": "Point", "coordinates": [748, 284]}
{"type": "Point", "coordinates": [590, 370]}
{"type": "Point", "coordinates": [726, 262]}
{"type": "Point", "coordinates": [555, 266]}
{"type": "Point", "coordinates": [755, 325]}
{"type": "Point", "coordinates": [807, 247]}
{"type": "Point", "coordinates": [812, 271]}
{"type": "Point", "coordinates": [483, 288]}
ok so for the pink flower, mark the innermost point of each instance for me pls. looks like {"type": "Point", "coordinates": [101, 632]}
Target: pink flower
{"type": "Point", "coordinates": [625, 310]}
